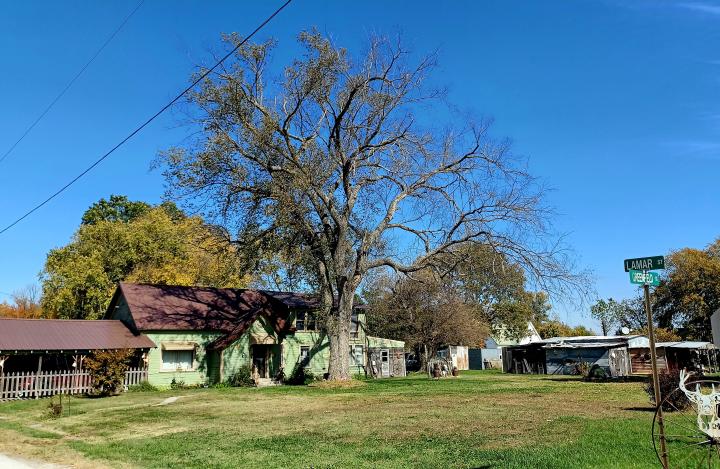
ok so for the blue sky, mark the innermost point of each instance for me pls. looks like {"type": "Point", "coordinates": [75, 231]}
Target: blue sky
{"type": "Point", "coordinates": [615, 104]}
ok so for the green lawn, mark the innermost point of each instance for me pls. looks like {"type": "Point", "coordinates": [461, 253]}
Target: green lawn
{"type": "Point", "coordinates": [481, 419]}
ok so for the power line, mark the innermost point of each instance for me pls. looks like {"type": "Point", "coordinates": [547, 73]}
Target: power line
{"type": "Point", "coordinates": [70, 83]}
{"type": "Point", "coordinates": [144, 124]}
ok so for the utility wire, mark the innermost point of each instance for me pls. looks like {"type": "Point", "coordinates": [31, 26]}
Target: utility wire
{"type": "Point", "coordinates": [70, 83]}
{"type": "Point", "coordinates": [144, 124]}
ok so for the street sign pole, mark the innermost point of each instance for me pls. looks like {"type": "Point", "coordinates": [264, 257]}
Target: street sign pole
{"type": "Point", "coordinates": [639, 269]}
{"type": "Point", "coordinates": [656, 378]}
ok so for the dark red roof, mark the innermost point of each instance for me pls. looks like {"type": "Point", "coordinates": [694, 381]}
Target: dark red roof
{"type": "Point", "coordinates": [227, 310]}
{"type": "Point", "coordinates": [64, 334]}
{"type": "Point", "coordinates": [169, 307]}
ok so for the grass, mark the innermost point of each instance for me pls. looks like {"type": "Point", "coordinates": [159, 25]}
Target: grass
{"type": "Point", "coordinates": [481, 419]}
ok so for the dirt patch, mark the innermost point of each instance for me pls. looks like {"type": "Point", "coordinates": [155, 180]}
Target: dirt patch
{"type": "Point", "coordinates": [338, 384]}
{"type": "Point", "coordinates": [169, 400]}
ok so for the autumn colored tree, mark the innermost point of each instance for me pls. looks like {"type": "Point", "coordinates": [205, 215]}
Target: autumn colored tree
{"type": "Point", "coordinates": [662, 334]}
{"type": "Point", "coordinates": [339, 157]}
{"type": "Point", "coordinates": [487, 279]}
{"type": "Point", "coordinates": [154, 245]}
{"type": "Point", "coordinates": [425, 311]}
{"type": "Point", "coordinates": [689, 291]}
{"type": "Point", "coordinates": [107, 369]}
{"type": "Point", "coordinates": [25, 303]}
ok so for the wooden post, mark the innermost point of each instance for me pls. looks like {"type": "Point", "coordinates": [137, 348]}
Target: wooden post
{"type": "Point", "coordinates": [37, 375]}
{"type": "Point", "coordinates": [427, 363]}
{"type": "Point", "coordinates": [3, 359]}
{"type": "Point", "coordinates": [656, 377]}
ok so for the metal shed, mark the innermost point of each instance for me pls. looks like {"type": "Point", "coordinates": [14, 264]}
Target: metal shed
{"type": "Point", "coordinates": [562, 355]}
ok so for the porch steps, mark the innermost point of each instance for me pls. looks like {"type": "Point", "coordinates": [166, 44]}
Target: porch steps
{"type": "Point", "coordinates": [264, 382]}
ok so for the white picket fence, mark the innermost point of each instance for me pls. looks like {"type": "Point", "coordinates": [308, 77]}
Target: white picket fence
{"type": "Point", "coordinates": [29, 385]}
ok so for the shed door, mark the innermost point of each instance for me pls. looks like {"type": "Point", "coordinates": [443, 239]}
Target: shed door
{"type": "Point", "coordinates": [618, 362]}
{"type": "Point", "coordinates": [385, 362]}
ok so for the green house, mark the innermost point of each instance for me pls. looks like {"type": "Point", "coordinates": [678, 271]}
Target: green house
{"type": "Point", "coordinates": [205, 335]}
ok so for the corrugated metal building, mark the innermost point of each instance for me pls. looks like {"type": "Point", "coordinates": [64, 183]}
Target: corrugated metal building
{"type": "Point", "coordinates": [51, 344]}
{"type": "Point", "coordinates": [563, 355]}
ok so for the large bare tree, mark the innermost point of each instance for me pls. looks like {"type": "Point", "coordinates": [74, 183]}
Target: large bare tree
{"type": "Point", "coordinates": [346, 157]}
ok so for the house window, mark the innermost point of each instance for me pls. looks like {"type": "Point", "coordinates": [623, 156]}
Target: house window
{"type": "Point", "coordinates": [305, 321]}
{"type": "Point", "coordinates": [356, 355]}
{"type": "Point", "coordinates": [173, 360]}
{"type": "Point", "coordinates": [304, 356]}
{"type": "Point", "coordinates": [354, 325]}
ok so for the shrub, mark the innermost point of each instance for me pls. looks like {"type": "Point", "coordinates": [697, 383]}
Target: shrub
{"type": "Point", "coordinates": [582, 369]}
{"type": "Point", "coordinates": [107, 369]}
{"type": "Point", "coordinates": [143, 386]}
{"type": "Point", "coordinates": [177, 384]}
{"type": "Point", "coordinates": [596, 372]}
{"type": "Point", "coordinates": [241, 378]}
{"type": "Point", "coordinates": [55, 408]}
{"type": "Point", "coordinates": [300, 376]}
{"type": "Point", "coordinates": [669, 381]}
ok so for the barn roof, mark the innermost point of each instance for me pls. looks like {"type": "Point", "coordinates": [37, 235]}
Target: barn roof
{"type": "Point", "coordinates": [63, 334]}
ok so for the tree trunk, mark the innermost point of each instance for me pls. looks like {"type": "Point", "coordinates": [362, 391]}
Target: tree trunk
{"type": "Point", "coordinates": [338, 327]}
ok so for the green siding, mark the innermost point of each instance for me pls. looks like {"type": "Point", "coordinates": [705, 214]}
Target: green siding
{"type": "Point", "coordinates": [122, 312]}
{"type": "Point", "coordinates": [204, 369]}
{"type": "Point", "coordinates": [212, 367]}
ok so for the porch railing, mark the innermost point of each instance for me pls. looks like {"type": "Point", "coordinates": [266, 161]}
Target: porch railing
{"type": "Point", "coordinates": [33, 385]}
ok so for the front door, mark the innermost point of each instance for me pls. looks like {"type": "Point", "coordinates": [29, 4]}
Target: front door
{"type": "Point", "coordinates": [260, 355]}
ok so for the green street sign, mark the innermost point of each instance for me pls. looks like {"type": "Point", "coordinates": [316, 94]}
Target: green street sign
{"type": "Point", "coordinates": [645, 263]}
{"type": "Point", "coordinates": [644, 278]}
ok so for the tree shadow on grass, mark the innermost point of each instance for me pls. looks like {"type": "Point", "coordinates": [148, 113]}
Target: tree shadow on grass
{"type": "Point", "coordinates": [640, 409]}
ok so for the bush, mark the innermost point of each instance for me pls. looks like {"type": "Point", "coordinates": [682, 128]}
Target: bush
{"type": "Point", "coordinates": [177, 384]}
{"type": "Point", "coordinates": [142, 387]}
{"type": "Point", "coordinates": [582, 369]}
{"type": "Point", "coordinates": [669, 381]}
{"type": "Point", "coordinates": [596, 372]}
{"type": "Point", "coordinates": [300, 376]}
{"type": "Point", "coordinates": [55, 408]}
{"type": "Point", "coordinates": [241, 378]}
{"type": "Point", "coordinates": [107, 369]}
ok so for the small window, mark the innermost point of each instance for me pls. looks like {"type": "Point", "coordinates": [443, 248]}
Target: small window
{"type": "Point", "coordinates": [384, 355]}
{"type": "Point", "coordinates": [177, 360]}
{"type": "Point", "coordinates": [356, 355]}
{"type": "Point", "coordinates": [354, 325]}
{"type": "Point", "coordinates": [304, 356]}
{"type": "Point", "coordinates": [305, 321]}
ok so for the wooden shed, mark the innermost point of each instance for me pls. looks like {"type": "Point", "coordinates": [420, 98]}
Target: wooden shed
{"type": "Point", "coordinates": [458, 354]}
{"type": "Point", "coordinates": [694, 356]}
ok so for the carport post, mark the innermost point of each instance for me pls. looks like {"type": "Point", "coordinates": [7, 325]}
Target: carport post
{"type": "Point", "coordinates": [37, 375]}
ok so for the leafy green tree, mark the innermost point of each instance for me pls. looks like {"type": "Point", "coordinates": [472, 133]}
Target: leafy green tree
{"type": "Point", "coordinates": [608, 313]}
{"type": "Point", "coordinates": [689, 292]}
{"type": "Point", "coordinates": [117, 208]}
{"type": "Point", "coordinates": [557, 328]}
{"type": "Point", "coordinates": [156, 246]}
